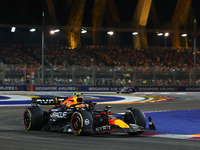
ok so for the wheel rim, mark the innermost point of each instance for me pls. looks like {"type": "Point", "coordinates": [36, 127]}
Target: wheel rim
{"type": "Point", "coordinates": [26, 119]}
{"type": "Point", "coordinates": [76, 123]}
{"type": "Point", "coordinates": [129, 118]}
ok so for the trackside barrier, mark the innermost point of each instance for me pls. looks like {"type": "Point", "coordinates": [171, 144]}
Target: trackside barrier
{"type": "Point", "coordinates": [114, 88]}
{"type": "Point", "coordinates": [12, 87]}
{"type": "Point", "coordinates": [99, 88]}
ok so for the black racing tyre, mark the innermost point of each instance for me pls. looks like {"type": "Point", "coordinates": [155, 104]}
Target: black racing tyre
{"type": "Point", "coordinates": [33, 118]}
{"type": "Point", "coordinates": [81, 123]}
{"type": "Point", "coordinates": [135, 116]}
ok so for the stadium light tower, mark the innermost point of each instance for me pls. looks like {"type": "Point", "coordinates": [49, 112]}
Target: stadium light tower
{"type": "Point", "coordinates": [166, 35]}
{"type": "Point", "coordinates": [186, 40]}
{"type": "Point", "coordinates": [43, 48]}
{"type": "Point", "coordinates": [53, 32]}
{"type": "Point", "coordinates": [194, 51]}
{"type": "Point", "coordinates": [110, 33]}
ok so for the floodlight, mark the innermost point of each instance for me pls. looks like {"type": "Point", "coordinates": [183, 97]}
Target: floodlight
{"type": "Point", "coordinates": [32, 30]}
{"type": "Point", "coordinates": [52, 31]}
{"type": "Point", "coordinates": [110, 32]}
{"type": "Point", "coordinates": [57, 30]}
{"type": "Point", "coordinates": [13, 29]}
{"type": "Point", "coordinates": [159, 34]}
{"type": "Point", "coordinates": [84, 31]}
{"type": "Point", "coordinates": [134, 33]}
{"type": "Point", "coordinates": [166, 34]}
{"type": "Point", "coordinates": [184, 35]}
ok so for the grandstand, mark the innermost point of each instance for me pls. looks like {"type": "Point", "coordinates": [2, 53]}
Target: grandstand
{"type": "Point", "coordinates": [107, 66]}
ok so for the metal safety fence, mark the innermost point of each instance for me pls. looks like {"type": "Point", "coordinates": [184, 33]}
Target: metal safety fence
{"type": "Point", "coordinates": [98, 75]}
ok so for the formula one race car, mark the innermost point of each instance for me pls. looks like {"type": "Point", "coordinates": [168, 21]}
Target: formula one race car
{"type": "Point", "coordinates": [126, 89]}
{"type": "Point", "coordinates": [82, 118]}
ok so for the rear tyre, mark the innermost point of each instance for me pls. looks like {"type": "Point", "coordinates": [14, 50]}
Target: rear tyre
{"type": "Point", "coordinates": [135, 116]}
{"type": "Point", "coordinates": [33, 118]}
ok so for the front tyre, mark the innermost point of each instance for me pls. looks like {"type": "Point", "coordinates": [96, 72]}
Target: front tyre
{"type": "Point", "coordinates": [82, 123]}
{"type": "Point", "coordinates": [33, 118]}
{"type": "Point", "coordinates": [135, 116]}
{"type": "Point", "coordinates": [77, 123]}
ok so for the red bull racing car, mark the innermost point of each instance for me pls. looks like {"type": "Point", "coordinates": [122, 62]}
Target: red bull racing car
{"type": "Point", "coordinates": [82, 118]}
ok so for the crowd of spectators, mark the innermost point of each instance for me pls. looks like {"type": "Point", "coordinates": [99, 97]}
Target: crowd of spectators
{"type": "Point", "coordinates": [16, 55]}
{"type": "Point", "coordinates": [101, 56]}
{"type": "Point", "coordinates": [160, 60]}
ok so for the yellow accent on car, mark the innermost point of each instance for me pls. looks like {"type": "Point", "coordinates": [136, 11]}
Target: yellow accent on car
{"type": "Point", "coordinates": [121, 124]}
{"type": "Point", "coordinates": [79, 132]}
{"type": "Point", "coordinates": [77, 94]}
{"type": "Point", "coordinates": [29, 119]}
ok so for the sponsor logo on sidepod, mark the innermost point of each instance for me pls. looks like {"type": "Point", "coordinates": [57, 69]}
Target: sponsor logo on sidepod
{"type": "Point", "coordinates": [87, 121]}
{"type": "Point", "coordinates": [59, 114]}
{"type": "Point", "coordinates": [103, 128]}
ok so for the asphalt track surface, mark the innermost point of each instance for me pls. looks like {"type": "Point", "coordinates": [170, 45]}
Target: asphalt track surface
{"type": "Point", "coordinates": [13, 136]}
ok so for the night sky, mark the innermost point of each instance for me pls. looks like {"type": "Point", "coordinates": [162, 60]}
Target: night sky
{"type": "Point", "coordinates": [125, 8]}
{"type": "Point", "coordinates": [9, 14]}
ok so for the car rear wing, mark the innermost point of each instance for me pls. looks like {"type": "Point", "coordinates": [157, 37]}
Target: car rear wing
{"type": "Point", "coordinates": [48, 101]}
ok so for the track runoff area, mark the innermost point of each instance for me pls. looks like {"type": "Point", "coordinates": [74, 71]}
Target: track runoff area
{"type": "Point", "coordinates": [181, 124]}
